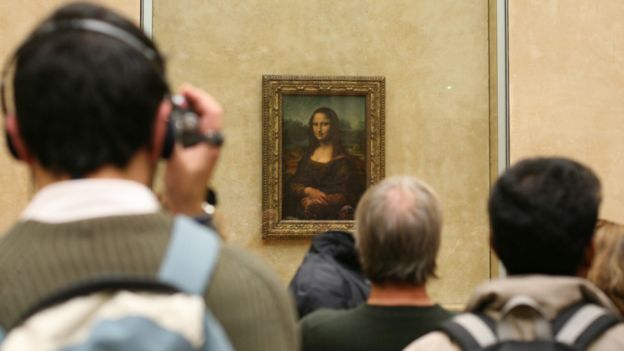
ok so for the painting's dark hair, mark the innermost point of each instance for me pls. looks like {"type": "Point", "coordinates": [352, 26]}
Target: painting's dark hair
{"type": "Point", "coordinates": [83, 99]}
{"type": "Point", "coordinates": [542, 215]}
{"type": "Point", "coordinates": [334, 131]}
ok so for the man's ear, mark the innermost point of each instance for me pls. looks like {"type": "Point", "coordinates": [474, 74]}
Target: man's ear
{"type": "Point", "coordinates": [588, 258]}
{"type": "Point", "coordinates": [12, 132]}
{"type": "Point", "coordinates": [160, 128]}
{"type": "Point", "coordinates": [502, 272]}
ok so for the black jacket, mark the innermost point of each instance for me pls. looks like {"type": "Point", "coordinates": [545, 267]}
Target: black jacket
{"type": "Point", "coordinates": [330, 275]}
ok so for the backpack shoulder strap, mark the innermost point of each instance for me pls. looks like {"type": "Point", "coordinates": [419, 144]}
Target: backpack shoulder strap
{"type": "Point", "coordinates": [584, 324]}
{"type": "Point", "coordinates": [470, 331]}
{"type": "Point", "coordinates": [2, 334]}
{"type": "Point", "coordinates": [189, 262]}
{"type": "Point", "coordinates": [191, 256]}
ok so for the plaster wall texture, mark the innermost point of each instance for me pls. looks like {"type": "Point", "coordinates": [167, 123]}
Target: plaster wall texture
{"type": "Point", "coordinates": [434, 55]}
{"type": "Point", "coordinates": [567, 87]}
{"type": "Point", "coordinates": [17, 19]}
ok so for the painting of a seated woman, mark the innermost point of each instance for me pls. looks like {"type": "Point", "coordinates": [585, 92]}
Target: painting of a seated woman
{"type": "Point", "coordinates": [328, 180]}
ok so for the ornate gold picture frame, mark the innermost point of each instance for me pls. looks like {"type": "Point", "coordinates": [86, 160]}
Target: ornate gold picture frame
{"type": "Point", "coordinates": [323, 144]}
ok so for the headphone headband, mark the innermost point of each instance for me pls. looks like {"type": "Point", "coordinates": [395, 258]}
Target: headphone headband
{"type": "Point", "coordinates": [87, 25]}
{"type": "Point", "coordinates": [94, 26]}
{"type": "Point", "coordinates": [97, 26]}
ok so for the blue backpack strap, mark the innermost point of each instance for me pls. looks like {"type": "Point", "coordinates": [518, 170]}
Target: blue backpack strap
{"type": "Point", "coordinates": [2, 334]}
{"type": "Point", "coordinates": [191, 256]}
{"type": "Point", "coordinates": [216, 338]}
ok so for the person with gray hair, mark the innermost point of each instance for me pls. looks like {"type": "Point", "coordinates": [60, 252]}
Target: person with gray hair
{"type": "Point", "coordinates": [398, 226]}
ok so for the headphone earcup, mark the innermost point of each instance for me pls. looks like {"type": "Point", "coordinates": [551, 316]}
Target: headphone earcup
{"type": "Point", "coordinates": [10, 146]}
{"type": "Point", "coordinates": [169, 142]}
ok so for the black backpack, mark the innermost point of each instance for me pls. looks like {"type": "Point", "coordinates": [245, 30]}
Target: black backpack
{"type": "Point", "coordinates": [575, 328]}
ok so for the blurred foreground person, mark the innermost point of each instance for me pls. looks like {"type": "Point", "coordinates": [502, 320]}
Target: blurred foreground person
{"type": "Point", "coordinates": [398, 225]}
{"type": "Point", "coordinates": [91, 119]}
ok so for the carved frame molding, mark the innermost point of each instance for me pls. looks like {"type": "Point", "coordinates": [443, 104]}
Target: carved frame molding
{"type": "Point", "coordinates": [274, 87]}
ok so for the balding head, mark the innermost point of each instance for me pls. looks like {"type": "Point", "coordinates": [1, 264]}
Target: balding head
{"type": "Point", "coordinates": [398, 224]}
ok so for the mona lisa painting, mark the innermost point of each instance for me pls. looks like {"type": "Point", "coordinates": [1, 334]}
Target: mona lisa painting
{"type": "Point", "coordinates": [323, 145]}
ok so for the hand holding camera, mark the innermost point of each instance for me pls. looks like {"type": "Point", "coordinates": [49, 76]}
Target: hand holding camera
{"type": "Point", "coordinates": [197, 120]}
{"type": "Point", "coordinates": [186, 127]}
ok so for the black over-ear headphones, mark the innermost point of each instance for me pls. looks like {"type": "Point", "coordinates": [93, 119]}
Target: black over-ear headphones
{"type": "Point", "coordinates": [183, 122]}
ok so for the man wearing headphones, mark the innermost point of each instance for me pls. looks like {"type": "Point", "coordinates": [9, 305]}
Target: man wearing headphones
{"type": "Point", "coordinates": [90, 117]}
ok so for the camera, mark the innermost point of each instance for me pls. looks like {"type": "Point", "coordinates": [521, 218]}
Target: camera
{"type": "Point", "coordinates": [185, 122]}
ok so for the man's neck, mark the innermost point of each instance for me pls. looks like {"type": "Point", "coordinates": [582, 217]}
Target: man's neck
{"type": "Point", "coordinates": [139, 169]}
{"type": "Point", "coordinates": [399, 295]}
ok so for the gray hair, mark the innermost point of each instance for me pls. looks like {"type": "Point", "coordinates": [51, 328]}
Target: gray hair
{"type": "Point", "coordinates": [398, 224]}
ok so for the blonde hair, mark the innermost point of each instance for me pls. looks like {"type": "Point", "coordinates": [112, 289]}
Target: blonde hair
{"type": "Point", "coordinates": [607, 269]}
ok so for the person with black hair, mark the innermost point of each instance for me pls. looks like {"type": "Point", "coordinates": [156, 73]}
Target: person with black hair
{"type": "Point", "coordinates": [326, 184]}
{"type": "Point", "coordinates": [542, 215]}
{"type": "Point", "coordinates": [91, 121]}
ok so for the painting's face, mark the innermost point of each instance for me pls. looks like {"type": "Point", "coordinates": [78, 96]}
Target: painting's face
{"type": "Point", "coordinates": [321, 126]}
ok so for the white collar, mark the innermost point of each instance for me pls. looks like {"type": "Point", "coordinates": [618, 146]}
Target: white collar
{"type": "Point", "coordinates": [74, 200]}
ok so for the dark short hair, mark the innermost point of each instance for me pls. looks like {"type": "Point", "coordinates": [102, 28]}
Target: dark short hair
{"type": "Point", "coordinates": [542, 215]}
{"type": "Point", "coordinates": [83, 99]}
{"type": "Point", "coordinates": [398, 225]}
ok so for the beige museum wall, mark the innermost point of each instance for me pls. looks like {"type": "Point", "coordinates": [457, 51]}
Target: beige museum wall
{"type": "Point", "coordinates": [434, 55]}
{"type": "Point", "coordinates": [566, 60]}
{"type": "Point", "coordinates": [16, 20]}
